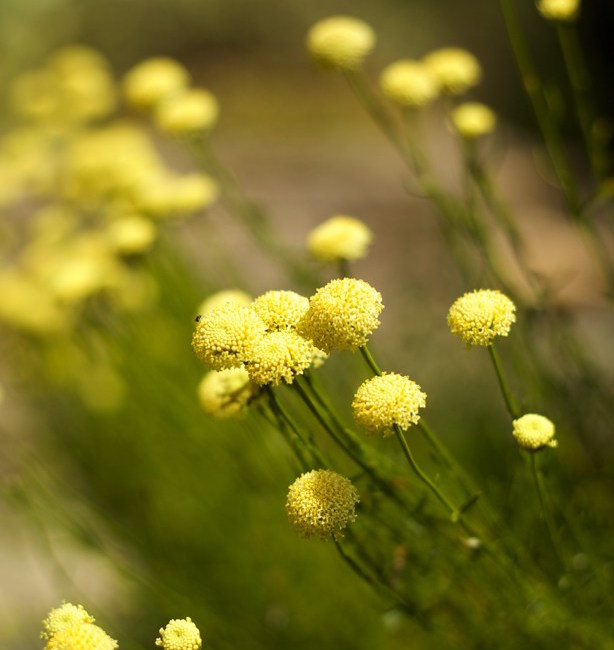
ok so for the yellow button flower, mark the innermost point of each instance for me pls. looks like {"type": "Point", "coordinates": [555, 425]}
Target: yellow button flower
{"type": "Point", "coordinates": [533, 432]}
{"type": "Point", "coordinates": [281, 310]}
{"type": "Point", "coordinates": [187, 112]}
{"type": "Point", "coordinates": [566, 10]}
{"type": "Point", "coordinates": [477, 317]}
{"type": "Point", "coordinates": [386, 400]}
{"type": "Point", "coordinates": [63, 617]}
{"type": "Point", "coordinates": [409, 83]}
{"type": "Point", "coordinates": [179, 634]}
{"type": "Point", "coordinates": [321, 504]}
{"type": "Point", "coordinates": [220, 298]}
{"type": "Point", "coordinates": [225, 393]}
{"type": "Point", "coordinates": [340, 42]}
{"type": "Point", "coordinates": [83, 636]}
{"type": "Point", "coordinates": [154, 80]}
{"type": "Point", "coordinates": [473, 119]}
{"type": "Point", "coordinates": [339, 238]}
{"type": "Point", "coordinates": [455, 69]}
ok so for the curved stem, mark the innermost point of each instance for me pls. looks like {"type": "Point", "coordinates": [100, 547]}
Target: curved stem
{"type": "Point", "coordinates": [508, 396]}
{"type": "Point", "coordinates": [368, 357]}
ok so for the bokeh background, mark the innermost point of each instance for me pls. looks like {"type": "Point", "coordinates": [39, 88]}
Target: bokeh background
{"type": "Point", "coordinates": [153, 510]}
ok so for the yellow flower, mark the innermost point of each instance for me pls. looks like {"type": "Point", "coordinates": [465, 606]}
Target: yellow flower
{"type": "Point", "coordinates": [342, 314]}
{"type": "Point", "coordinates": [559, 9]}
{"type": "Point", "coordinates": [224, 393]}
{"type": "Point", "coordinates": [131, 234]}
{"type": "Point", "coordinates": [533, 432]}
{"type": "Point", "coordinates": [220, 298]}
{"type": "Point", "coordinates": [169, 196]}
{"type": "Point", "coordinates": [187, 112]}
{"type": "Point", "coordinates": [477, 317]}
{"type": "Point", "coordinates": [455, 69]}
{"type": "Point", "coordinates": [281, 310]}
{"type": "Point", "coordinates": [408, 83]}
{"type": "Point", "coordinates": [278, 356]}
{"type": "Point", "coordinates": [340, 237]}
{"type": "Point", "coordinates": [65, 616]}
{"type": "Point", "coordinates": [321, 503]}
{"type": "Point", "coordinates": [340, 42]}
{"type": "Point", "coordinates": [386, 400]}
{"type": "Point", "coordinates": [223, 336]}
{"type": "Point", "coordinates": [154, 80]}
{"type": "Point", "coordinates": [83, 636]}
{"type": "Point", "coordinates": [179, 634]}
{"type": "Point", "coordinates": [473, 119]}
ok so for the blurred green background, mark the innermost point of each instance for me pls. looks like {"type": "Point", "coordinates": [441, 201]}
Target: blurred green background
{"type": "Point", "coordinates": [156, 511]}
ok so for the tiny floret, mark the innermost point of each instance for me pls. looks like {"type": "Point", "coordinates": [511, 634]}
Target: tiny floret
{"type": "Point", "coordinates": [340, 42]}
{"type": "Point", "coordinates": [187, 112]}
{"type": "Point", "coordinates": [321, 504]}
{"type": "Point", "coordinates": [222, 336]}
{"type": "Point", "coordinates": [533, 432]}
{"type": "Point", "coordinates": [342, 314]}
{"type": "Point", "coordinates": [278, 356]}
{"type": "Point", "coordinates": [478, 316]}
{"type": "Point", "coordinates": [83, 636]}
{"type": "Point", "coordinates": [179, 634]}
{"type": "Point", "coordinates": [339, 238]}
{"type": "Point", "coordinates": [472, 119]}
{"type": "Point", "coordinates": [225, 393]}
{"type": "Point", "coordinates": [65, 616]}
{"type": "Point", "coordinates": [455, 69]}
{"type": "Point", "coordinates": [281, 310]}
{"type": "Point", "coordinates": [409, 83]}
{"type": "Point", "coordinates": [387, 400]}
{"type": "Point", "coordinates": [566, 10]}
{"type": "Point", "coordinates": [153, 80]}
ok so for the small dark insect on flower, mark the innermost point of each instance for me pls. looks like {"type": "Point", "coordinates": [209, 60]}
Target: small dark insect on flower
{"type": "Point", "coordinates": [197, 319]}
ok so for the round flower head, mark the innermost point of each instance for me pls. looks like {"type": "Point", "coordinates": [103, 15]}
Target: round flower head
{"type": "Point", "coordinates": [153, 80]}
{"type": "Point", "coordinates": [386, 400]}
{"type": "Point", "coordinates": [342, 314]}
{"type": "Point", "coordinates": [278, 356]}
{"type": "Point", "coordinates": [340, 42]}
{"type": "Point", "coordinates": [131, 234]}
{"type": "Point", "coordinates": [235, 296]}
{"type": "Point", "coordinates": [533, 432]}
{"type": "Point", "coordinates": [455, 69]}
{"type": "Point", "coordinates": [339, 238]}
{"type": "Point", "coordinates": [63, 617]}
{"type": "Point", "coordinates": [477, 317]}
{"type": "Point", "coordinates": [83, 636]}
{"type": "Point", "coordinates": [179, 634]}
{"type": "Point", "coordinates": [178, 195]}
{"type": "Point", "coordinates": [186, 112]}
{"type": "Point", "coordinates": [559, 9]}
{"type": "Point", "coordinates": [224, 393]}
{"type": "Point", "coordinates": [473, 119]}
{"type": "Point", "coordinates": [222, 336]}
{"type": "Point", "coordinates": [321, 503]}
{"type": "Point", "coordinates": [281, 310]}
{"type": "Point", "coordinates": [408, 83]}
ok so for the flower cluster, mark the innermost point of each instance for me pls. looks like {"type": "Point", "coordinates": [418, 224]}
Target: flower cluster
{"type": "Point", "coordinates": [70, 627]}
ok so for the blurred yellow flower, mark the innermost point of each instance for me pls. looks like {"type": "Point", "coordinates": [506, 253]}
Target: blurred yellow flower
{"type": "Point", "coordinates": [225, 393]}
{"type": "Point", "coordinates": [153, 80]}
{"type": "Point", "coordinates": [340, 42]}
{"type": "Point", "coordinates": [455, 69]}
{"type": "Point", "coordinates": [408, 83]}
{"type": "Point", "coordinates": [171, 196]}
{"type": "Point", "coordinates": [340, 237]}
{"type": "Point", "coordinates": [187, 112]}
{"type": "Point", "coordinates": [566, 10]}
{"type": "Point", "coordinates": [131, 234]}
{"type": "Point", "coordinates": [533, 432]}
{"type": "Point", "coordinates": [472, 119]}
{"type": "Point", "coordinates": [179, 634]}
{"type": "Point", "coordinates": [220, 298]}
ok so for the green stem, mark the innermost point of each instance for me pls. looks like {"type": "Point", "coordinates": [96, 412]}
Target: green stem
{"type": "Point", "coordinates": [508, 396]}
{"type": "Point", "coordinates": [368, 357]}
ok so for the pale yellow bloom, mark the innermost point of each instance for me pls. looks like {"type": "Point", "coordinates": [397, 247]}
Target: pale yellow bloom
{"type": "Point", "coordinates": [566, 10]}
{"type": "Point", "coordinates": [153, 80]}
{"type": "Point", "coordinates": [281, 310]}
{"type": "Point", "coordinates": [533, 432]}
{"type": "Point", "coordinates": [409, 83]}
{"type": "Point", "coordinates": [340, 42]}
{"type": "Point", "coordinates": [321, 503]}
{"type": "Point", "coordinates": [473, 119]}
{"type": "Point", "coordinates": [169, 196]}
{"type": "Point", "coordinates": [179, 634]}
{"type": "Point", "coordinates": [386, 400]}
{"type": "Point", "coordinates": [340, 237]}
{"type": "Point", "coordinates": [186, 112]}
{"type": "Point", "coordinates": [220, 298]}
{"type": "Point", "coordinates": [478, 316]}
{"type": "Point", "coordinates": [62, 617]}
{"type": "Point", "coordinates": [131, 234]}
{"type": "Point", "coordinates": [84, 636]}
{"type": "Point", "coordinates": [225, 393]}
{"type": "Point", "coordinates": [455, 69]}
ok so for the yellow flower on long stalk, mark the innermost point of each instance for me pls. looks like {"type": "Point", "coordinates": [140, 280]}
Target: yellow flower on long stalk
{"type": "Point", "coordinates": [409, 83]}
{"type": "Point", "coordinates": [340, 42]}
{"type": "Point", "coordinates": [339, 238]}
{"type": "Point", "coordinates": [533, 432]}
{"type": "Point", "coordinates": [179, 634]}
{"type": "Point", "coordinates": [455, 69]}
{"type": "Point", "coordinates": [473, 119]}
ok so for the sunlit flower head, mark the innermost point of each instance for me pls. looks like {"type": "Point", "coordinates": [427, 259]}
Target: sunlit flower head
{"type": "Point", "coordinates": [340, 42]}
{"type": "Point", "coordinates": [478, 316]}
{"type": "Point", "coordinates": [223, 336]}
{"type": "Point", "coordinates": [62, 617]}
{"type": "Point", "coordinates": [187, 112]}
{"type": "Point", "coordinates": [339, 238]}
{"type": "Point", "coordinates": [321, 503]}
{"type": "Point", "coordinates": [533, 432]}
{"type": "Point", "coordinates": [220, 298]}
{"type": "Point", "coordinates": [386, 400]}
{"type": "Point", "coordinates": [408, 83]}
{"type": "Point", "coordinates": [153, 80]}
{"type": "Point", "coordinates": [281, 310]}
{"type": "Point", "coordinates": [225, 393]}
{"type": "Point", "coordinates": [83, 636]}
{"type": "Point", "coordinates": [472, 119]}
{"type": "Point", "coordinates": [566, 10]}
{"type": "Point", "coordinates": [131, 234]}
{"type": "Point", "coordinates": [171, 196]}
{"type": "Point", "coordinates": [278, 357]}
{"type": "Point", "coordinates": [342, 314]}
{"type": "Point", "coordinates": [455, 69]}
{"type": "Point", "coordinates": [179, 634]}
